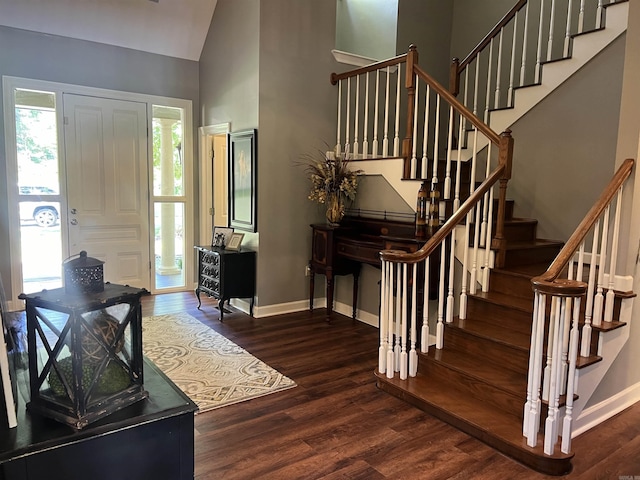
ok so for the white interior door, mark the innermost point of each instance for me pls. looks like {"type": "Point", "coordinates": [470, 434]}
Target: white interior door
{"type": "Point", "coordinates": [107, 185]}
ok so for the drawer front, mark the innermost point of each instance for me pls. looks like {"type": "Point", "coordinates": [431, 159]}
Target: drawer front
{"type": "Point", "coordinates": [210, 284]}
{"type": "Point", "coordinates": [361, 253]}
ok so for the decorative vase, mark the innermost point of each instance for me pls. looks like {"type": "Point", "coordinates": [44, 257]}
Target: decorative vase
{"type": "Point", "coordinates": [335, 208]}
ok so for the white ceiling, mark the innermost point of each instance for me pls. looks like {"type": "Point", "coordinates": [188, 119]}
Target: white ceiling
{"type": "Point", "coordinates": [177, 28]}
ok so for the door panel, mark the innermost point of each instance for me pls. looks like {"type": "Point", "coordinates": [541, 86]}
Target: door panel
{"type": "Point", "coordinates": [107, 185]}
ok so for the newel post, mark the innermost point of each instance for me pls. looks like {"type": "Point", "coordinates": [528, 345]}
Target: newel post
{"type": "Point", "coordinates": [454, 77]}
{"type": "Point", "coordinates": [410, 84]}
{"type": "Point", "coordinates": [505, 158]}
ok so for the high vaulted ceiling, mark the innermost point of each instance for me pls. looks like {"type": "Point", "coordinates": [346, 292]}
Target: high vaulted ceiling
{"type": "Point", "coordinates": [177, 28]}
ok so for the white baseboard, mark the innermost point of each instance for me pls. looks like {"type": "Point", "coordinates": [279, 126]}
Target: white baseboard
{"type": "Point", "coordinates": [606, 409]}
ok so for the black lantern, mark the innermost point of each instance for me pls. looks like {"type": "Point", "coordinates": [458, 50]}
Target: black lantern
{"type": "Point", "coordinates": [83, 274]}
{"type": "Point", "coordinates": [85, 352]}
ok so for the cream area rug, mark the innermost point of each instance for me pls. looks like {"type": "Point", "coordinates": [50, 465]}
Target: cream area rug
{"type": "Point", "coordinates": [211, 369]}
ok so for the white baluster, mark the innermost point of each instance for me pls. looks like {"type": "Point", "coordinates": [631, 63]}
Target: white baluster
{"type": "Point", "coordinates": [525, 38]}
{"type": "Point", "coordinates": [567, 427]}
{"type": "Point", "coordinates": [465, 99]}
{"type": "Point", "coordinates": [398, 315]}
{"type": "Point", "coordinates": [396, 138]}
{"type": "Point", "coordinates": [585, 347]}
{"type": "Point", "coordinates": [376, 108]}
{"type": "Point", "coordinates": [551, 424]}
{"type": "Point", "coordinates": [473, 282]}
{"type": "Point", "coordinates": [436, 141]}
{"type": "Point", "coordinates": [440, 325]}
{"type": "Point", "coordinates": [487, 100]}
{"type": "Point", "coordinates": [546, 381]}
{"type": "Point", "coordinates": [390, 355]}
{"type": "Point", "coordinates": [338, 141]}
{"type": "Point", "coordinates": [535, 366]}
{"type": "Point", "coordinates": [356, 125]}
{"type": "Point", "coordinates": [496, 100]}
{"type": "Point", "coordinates": [462, 313]}
{"type": "Point", "coordinates": [456, 197]}
{"type": "Point", "coordinates": [347, 139]}
{"type": "Point", "coordinates": [487, 247]}
{"type": "Point", "coordinates": [567, 34]}
{"type": "Point", "coordinates": [599, 15]}
{"type": "Point", "coordinates": [581, 17]}
{"type": "Point", "coordinates": [476, 87]}
{"type": "Point", "coordinates": [414, 143]}
{"type": "Point", "coordinates": [424, 333]}
{"type": "Point", "coordinates": [526, 425]}
{"type": "Point", "coordinates": [365, 126]}
{"type": "Point", "coordinates": [447, 176]}
{"type": "Point", "coordinates": [452, 261]}
{"type": "Point", "coordinates": [552, 22]}
{"type": "Point", "coordinates": [512, 70]}
{"type": "Point", "coordinates": [602, 263]}
{"type": "Point", "coordinates": [539, 49]}
{"type": "Point", "coordinates": [424, 170]}
{"type": "Point", "coordinates": [404, 356]}
{"type": "Point", "coordinates": [485, 207]}
{"type": "Point", "coordinates": [413, 355]}
{"type": "Point", "coordinates": [385, 138]}
{"type": "Point", "coordinates": [611, 296]}
{"type": "Point", "coordinates": [382, 351]}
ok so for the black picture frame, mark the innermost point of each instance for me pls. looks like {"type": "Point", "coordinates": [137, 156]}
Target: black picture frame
{"type": "Point", "coordinates": [242, 161]}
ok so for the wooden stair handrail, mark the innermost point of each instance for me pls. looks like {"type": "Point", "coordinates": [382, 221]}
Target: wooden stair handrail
{"type": "Point", "coordinates": [493, 33]}
{"type": "Point", "coordinates": [336, 77]}
{"type": "Point", "coordinates": [443, 92]}
{"type": "Point", "coordinates": [578, 236]}
{"type": "Point", "coordinates": [457, 66]}
{"type": "Point", "coordinates": [437, 238]}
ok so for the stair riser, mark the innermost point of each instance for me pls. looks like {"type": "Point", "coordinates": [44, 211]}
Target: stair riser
{"type": "Point", "coordinates": [531, 256]}
{"type": "Point", "coordinates": [514, 285]}
{"type": "Point", "coordinates": [506, 316]}
{"type": "Point", "coordinates": [506, 401]}
{"type": "Point", "coordinates": [498, 353]}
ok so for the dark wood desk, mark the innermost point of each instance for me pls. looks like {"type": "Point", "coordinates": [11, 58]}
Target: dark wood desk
{"type": "Point", "coordinates": [341, 250]}
{"type": "Point", "coordinates": [153, 438]}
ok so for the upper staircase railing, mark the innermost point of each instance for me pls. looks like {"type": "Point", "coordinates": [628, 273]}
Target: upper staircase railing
{"type": "Point", "coordinates": [562, 325]}
{"type": "Point", "coordinates": [511, 55]}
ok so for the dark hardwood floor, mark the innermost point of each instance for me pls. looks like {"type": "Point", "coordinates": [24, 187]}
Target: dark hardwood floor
{"type": "Point", "coordinates": [337, 425]}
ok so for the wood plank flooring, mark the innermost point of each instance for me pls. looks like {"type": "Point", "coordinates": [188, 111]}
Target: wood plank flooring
{"type": "Point", "coordinates": [337, 425]}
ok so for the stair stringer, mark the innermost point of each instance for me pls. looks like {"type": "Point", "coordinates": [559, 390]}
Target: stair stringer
{"type": "Point", "coordinates": [391, 170]}
{"type": "Point", "coordinates": [610, 345]}
{"type": "Point", "coordinates": [553, 74]}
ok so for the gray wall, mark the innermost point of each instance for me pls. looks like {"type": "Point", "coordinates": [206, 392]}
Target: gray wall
{"type": "Point", "coordinates": [566, 137]}
{"type": "Point", "coordinates": [278, 59]}
{"type": "Point", "coordinates": [367, 28]}
{"type": "Point", "coordinates": [60, 59]}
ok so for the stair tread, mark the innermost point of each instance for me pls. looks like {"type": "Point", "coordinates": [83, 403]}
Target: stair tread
{"type": "Point", "coordinates": [495, 427]}
{"type": "Point", "coordinates": [495, 332]}
{"type": "Point", "coordinates": [498, 298]}
{"type": "Point", "coordinates": [538, 242]}
{"type": "Point", "coordinates": [532, 270]}
{"type": "Point", "coordinates": [495, 375]}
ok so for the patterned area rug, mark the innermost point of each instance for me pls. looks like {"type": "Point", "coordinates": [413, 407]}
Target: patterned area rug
{"type": "Point", "coordinates": [211, 369]}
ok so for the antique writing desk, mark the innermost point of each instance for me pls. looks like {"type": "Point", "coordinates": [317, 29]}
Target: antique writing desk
{"type": "Point", "coordinates": [341, 250]}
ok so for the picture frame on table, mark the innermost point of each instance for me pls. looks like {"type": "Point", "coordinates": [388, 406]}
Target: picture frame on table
{"type": "Point", "coordinates": [242, 159]}
{"type": "Point", "coordinates": [235, 241]}
{"type": "Point", "coordinates": [221, 236]}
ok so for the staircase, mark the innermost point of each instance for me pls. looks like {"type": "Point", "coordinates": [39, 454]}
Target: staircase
{"type": "Point", "coordinates": [478, 381]}
{"type": "Point", "coordinates": [518, 322]}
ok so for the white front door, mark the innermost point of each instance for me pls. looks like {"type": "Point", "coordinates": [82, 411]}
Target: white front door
{"type": "Point", "coordinates": [107, 185]}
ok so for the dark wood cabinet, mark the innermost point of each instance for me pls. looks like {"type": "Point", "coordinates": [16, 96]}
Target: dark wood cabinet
{"type": "Point", "coordinates": [152, 438]}
{"type": "Point", "coordinates": [225, 274]}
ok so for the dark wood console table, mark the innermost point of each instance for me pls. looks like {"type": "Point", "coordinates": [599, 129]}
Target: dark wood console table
{"type": "Point", "coordinates": [152, 438]}
{"type": "Point", "coordinates": [341, 250]}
